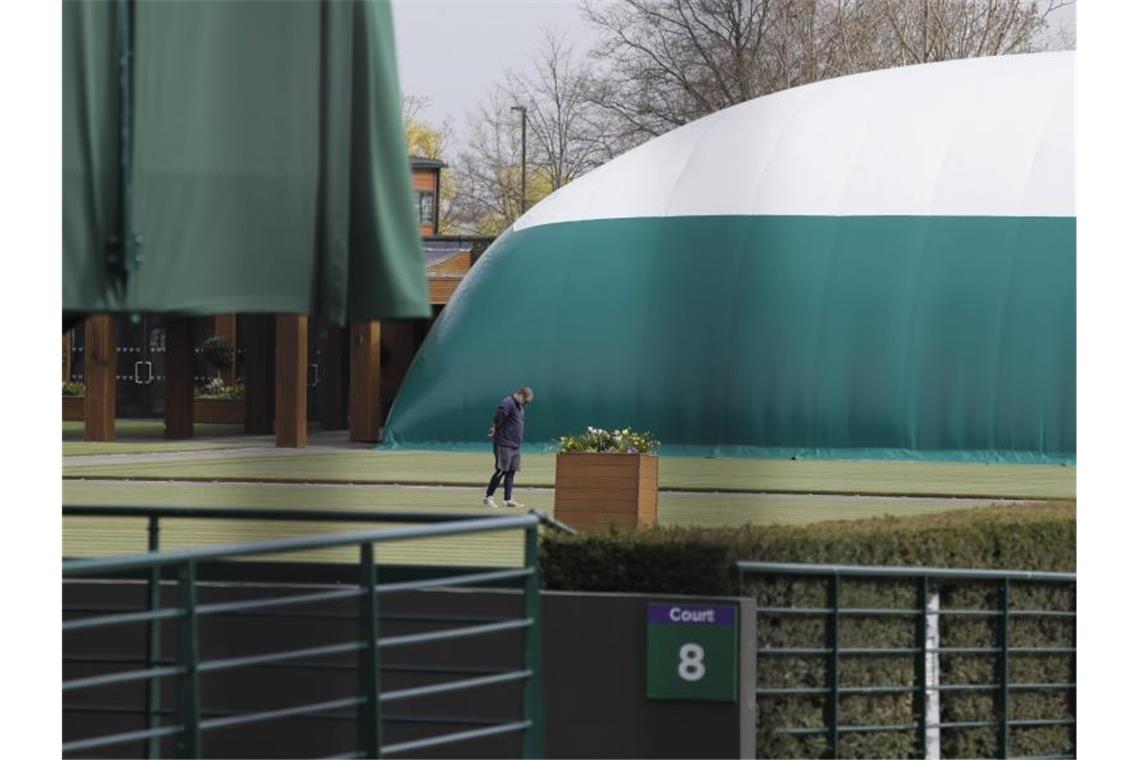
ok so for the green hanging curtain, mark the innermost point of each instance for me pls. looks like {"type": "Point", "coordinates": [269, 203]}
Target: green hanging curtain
{"type": "Point", "coordinates": [267, 169]}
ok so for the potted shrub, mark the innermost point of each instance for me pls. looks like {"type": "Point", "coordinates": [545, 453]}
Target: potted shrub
{"type": "Point", "coordinates": [73, 401]}
{"type": "Point", "coordinates": [219, 354]}
{"type": "Point", "coordinates": [216, 401]}
{"type": "Point", "coordinates": [606, 479]}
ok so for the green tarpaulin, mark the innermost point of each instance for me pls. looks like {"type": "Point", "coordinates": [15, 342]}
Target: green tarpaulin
{"type": "Point", "coordinates": [266, 168]}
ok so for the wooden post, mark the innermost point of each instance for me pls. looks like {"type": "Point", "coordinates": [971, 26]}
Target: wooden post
{"type": "Point", "coordinates": [364, 386]}
{"type": "Point", "coordinates": [99, 372]}
{"type": "Point", "coordinates": [179, 390]}
{"type": "Point", "coordinates": [290, 422]}
{"type": "Point", "coordinates": [68, 338]}
{"type": "Point", "coordinates": [225, 325]}
{"type": "Point", "coordinates": [334, 380]}
{"type": "Point", "coordinates": [260, 369]}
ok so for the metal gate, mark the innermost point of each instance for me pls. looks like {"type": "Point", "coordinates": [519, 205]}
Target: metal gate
{"type": "Point", "coordinates": [829, 624]}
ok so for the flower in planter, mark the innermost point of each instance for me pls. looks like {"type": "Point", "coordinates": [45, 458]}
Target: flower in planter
{"type": "Point", "coordinates": [73, 389]}
{"type": "Point", "coordinates": [217, 389]}
{"type": "Point", "coordinates": [599, 441]}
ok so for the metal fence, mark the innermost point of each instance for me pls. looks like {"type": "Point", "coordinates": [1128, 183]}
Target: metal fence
{"type": "Point", "coordinates": [155, 516]}
{"type": "Point", "coordinates": [189, 724]}
{"type": "Point", "coordinates": [925, 583]}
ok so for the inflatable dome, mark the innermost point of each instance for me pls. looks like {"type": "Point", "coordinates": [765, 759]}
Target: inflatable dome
{"type": "Point", "coordinates": [881, 265]}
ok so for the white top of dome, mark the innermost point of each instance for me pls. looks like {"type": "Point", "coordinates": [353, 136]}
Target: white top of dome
{"type": "Point", "coordinates": [975, 137]}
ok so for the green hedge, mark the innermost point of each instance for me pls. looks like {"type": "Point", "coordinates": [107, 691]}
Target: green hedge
{"type": "Point", "coordinates": [700, 562]}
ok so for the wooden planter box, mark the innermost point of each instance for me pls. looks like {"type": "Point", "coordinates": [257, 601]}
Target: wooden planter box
{"type": "Point", "coordinates": [224, 410]}
{"type": "Point", "coordinates": [593, 492]}
{"type": "Point", "coordinates": [73, 408]}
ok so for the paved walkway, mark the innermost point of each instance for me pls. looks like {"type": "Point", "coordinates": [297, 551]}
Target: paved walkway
{"type": "Point", "coordinates": [676, 508]}
{"type": "Point", "coordinates": [331, 458]}
{"type": "Point", "coordinates": [229, 447]}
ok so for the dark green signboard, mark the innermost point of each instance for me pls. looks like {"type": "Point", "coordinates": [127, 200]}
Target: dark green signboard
{"type": "Point", "coordinates": [692, 652]}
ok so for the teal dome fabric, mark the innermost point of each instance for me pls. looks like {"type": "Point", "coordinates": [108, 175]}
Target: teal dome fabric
{"type": "Point", "coordinates": [877, 266]}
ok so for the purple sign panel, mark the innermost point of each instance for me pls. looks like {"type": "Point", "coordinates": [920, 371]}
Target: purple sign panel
{"type": "Point", "coordinates": [692, 614]}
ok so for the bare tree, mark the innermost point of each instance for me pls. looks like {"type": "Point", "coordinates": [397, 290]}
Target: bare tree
{"type": "Point", "coordinates": [666, 62]}
{"type": "Point", "coordinates": [564, 138]}
{"type": "Point", "coordinates": [488, 170]}
{"type": "Point", "coordinates": [412, 109]}
{"type": "Point", "coordinates": [940, 30]}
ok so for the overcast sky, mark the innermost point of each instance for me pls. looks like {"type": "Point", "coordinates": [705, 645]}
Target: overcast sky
{"type": "Point", "coordinates": [453, 51]}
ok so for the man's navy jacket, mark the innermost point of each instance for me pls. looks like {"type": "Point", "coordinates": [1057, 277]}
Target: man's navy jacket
{"type": "Point", "coordinates": [509, 423]}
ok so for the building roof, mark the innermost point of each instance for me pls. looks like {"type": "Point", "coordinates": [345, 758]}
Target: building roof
{"type": "Point", "coordinates": [423, 162]}
{"type": "Point", "coordinates": [439, 251]}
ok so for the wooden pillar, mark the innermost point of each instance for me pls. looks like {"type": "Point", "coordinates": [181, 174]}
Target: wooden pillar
{"type": "Point", "coordinates": [225, 325]}
{"type": "Point", "coordinates": [334, 380]}
{"type": "Point", "coordinates": [179, 386]}
{"type": "Point", "coordinates": [99, 373]}
{"type": "Point", "coordinates": [290, 423]}
{"type": "Point", "coordinates": [260, 370]}
{"type": "Point", "coordinates": [68, 339]}
{"type": "Point", "coordinates": [364, 386]}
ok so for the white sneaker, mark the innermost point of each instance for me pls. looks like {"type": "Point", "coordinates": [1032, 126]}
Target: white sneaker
{"type": "Point", "coordinates": [489, 501]}
{"type": "Point", "coordinates": [511, 503]}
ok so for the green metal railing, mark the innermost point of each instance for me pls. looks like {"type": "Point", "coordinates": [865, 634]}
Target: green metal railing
{"type": "Point", "coordinates": [924, 580]}
{"type": "Point", "coordinates": [155, 515]}
{"type": "Point", "coordinates": [190, 723]}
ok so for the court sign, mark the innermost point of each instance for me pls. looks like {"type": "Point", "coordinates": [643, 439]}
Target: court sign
{"type": "Point", "coordinates": [692, 652]}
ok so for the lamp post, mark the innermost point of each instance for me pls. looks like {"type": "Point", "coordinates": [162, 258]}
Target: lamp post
{"type": "Point", "coordinates": [522, 109]}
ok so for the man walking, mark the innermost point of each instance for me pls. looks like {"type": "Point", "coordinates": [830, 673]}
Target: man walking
{"type": "Point", "coordinates": [507, 436]}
